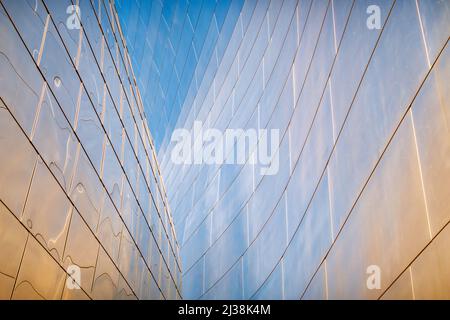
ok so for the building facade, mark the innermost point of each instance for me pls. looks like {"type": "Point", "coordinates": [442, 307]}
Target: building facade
{"type": "Point", "coordinates": [304, 146]}
{"type": "Point", "coordinates": [357, 204]}
{"type": "Point", "coordinates": [83, 210]}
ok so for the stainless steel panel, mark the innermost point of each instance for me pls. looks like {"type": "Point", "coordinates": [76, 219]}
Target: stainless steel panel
{"type": "Point", "coordinates": [389, 223]}
{"type": "Point", "coordinates": [17, 164]}
{"type": "Point", "coordinates": [40, 277]}
{"type": "Point", "coordinates": [46, 202]}
{"type": "Point", "coordinates": [431, 116]}
{"type": "Point", "coordinates": [13, 238]}
{"type": "Point", "coordinates": [430, 271]}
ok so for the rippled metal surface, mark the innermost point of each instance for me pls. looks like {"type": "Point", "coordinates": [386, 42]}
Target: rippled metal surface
{"type": "Point", "coordinates": [80, 187]}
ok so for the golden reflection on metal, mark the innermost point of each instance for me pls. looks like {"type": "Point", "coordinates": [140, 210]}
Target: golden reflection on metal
{"type": "Point", "coordinates": [65, 229]}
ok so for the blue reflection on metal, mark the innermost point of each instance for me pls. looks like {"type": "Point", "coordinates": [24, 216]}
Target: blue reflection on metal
{"type": "Point", "coordinates": [171, 43]}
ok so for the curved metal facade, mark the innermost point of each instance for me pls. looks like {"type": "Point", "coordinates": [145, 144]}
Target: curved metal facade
{"type": "Point", "coordinates": [357, 204]}
{"type": "Point", "coordinates": [170, 43]}
{"type": "Point", "coordinates": [364, 151]}
{"type": "Point", "coordinates": [83, 211]}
